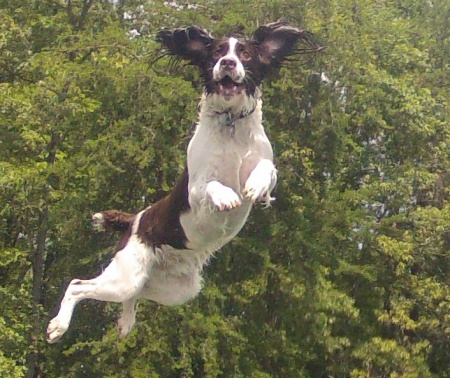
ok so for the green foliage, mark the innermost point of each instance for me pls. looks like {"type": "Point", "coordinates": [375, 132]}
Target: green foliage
{"type": "Point", "coordinates": [347, 274]}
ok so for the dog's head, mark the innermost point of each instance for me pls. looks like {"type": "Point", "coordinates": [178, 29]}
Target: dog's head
{"type": "Point", "coordinates": [234, 65]}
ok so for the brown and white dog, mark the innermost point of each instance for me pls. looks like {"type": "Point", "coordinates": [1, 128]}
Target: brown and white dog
{"type": "Point", "coordinates": [229, 166]}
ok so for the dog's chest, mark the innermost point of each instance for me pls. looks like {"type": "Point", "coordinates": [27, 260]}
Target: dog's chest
{"type": "Point", "coordinates": [226, 154]}
{"type": "Point", "coordinates": [220, 153]}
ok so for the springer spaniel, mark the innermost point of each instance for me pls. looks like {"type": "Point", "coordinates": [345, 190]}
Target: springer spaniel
{"type": "Point", "coordinates": [229, 166]}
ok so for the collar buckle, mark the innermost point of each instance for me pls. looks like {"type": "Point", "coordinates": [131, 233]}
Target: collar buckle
{"type": "Point", "coordinates": [227, 119]}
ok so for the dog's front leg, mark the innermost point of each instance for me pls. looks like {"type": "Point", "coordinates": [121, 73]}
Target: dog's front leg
{"type": "Point", "coordinates": [261, 182]}
{"type": "Point", "coordinates": [222, 197]}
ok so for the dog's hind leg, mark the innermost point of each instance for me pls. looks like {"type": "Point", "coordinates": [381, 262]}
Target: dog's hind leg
{"type": "Point", "coordinates": [121, 281]}
{"type": "Point", "coordinates": [127, 318]}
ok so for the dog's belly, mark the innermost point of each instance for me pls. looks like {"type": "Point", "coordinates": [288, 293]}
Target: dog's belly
{"type": "Point", "coordinates": [176, 274]}
{"type": "Point", "coordinates": [209, 230]}
{"type": "Point", "coordinates": [174, 279]}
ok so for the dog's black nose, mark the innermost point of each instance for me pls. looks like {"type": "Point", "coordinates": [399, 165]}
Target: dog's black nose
{"type": "Point", "coordinates": [228, 64]}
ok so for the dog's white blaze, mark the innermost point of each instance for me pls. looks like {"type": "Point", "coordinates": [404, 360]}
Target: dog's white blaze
{"type": "Point", "coordinates": [232, 53]}
{"type": "Point", "coordinates": [238, 73]}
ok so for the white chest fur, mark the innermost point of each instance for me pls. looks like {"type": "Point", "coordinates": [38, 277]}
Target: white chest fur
{"type": "Point", "coordinates": [227, 155]}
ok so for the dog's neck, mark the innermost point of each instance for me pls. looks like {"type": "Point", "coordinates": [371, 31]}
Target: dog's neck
{"type": "Point", "coordinates": [228, 118]}
{"type": "Point", "coordinates": [233, 119]}
{"type": "Point", "coordinates": [238, 107]}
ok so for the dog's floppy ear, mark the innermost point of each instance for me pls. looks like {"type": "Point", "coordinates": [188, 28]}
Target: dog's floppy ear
{"type": "Point", "coordinates": [191, 43]}
{"type": "Point", "coordinates": [278, 40]}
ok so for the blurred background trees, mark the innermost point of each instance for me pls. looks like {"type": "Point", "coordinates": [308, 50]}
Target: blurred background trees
{"type": "Point", "coordinates": [347, 274]}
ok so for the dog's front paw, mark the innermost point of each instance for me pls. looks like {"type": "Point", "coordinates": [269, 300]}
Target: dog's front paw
{"type": "Point", "coordinates": [55, 330]}
{"type": "Point", "coordinates": [98, 222]}
{"type": "Point", "coordinates": [261, 182]}
{"type": "Point", "coordinates": [256, 188]}
{"type": "Point", "coordinates": [223, 197]}
{"type": "Point", "coordinates": [227, 200]}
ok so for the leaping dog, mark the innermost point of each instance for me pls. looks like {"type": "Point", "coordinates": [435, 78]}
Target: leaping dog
{"type": "Point", "coordinates": [229, 166]}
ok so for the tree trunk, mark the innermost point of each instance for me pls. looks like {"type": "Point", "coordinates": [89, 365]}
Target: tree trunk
{"type": "Point", "coordinates": [37, 261]}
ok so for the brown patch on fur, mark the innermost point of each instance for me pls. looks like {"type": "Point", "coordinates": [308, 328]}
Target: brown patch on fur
{"type": "Point", "coordinates": [160, 223]}
{"type": "Point", "coordinates": [124, 238]}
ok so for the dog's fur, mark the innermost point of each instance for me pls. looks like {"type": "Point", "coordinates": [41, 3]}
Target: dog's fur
{"type": "Point", "coordinates": [229, 166]}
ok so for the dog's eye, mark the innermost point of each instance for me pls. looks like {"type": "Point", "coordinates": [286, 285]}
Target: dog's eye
{"type": "Point", "coordinates": [217, 54]}
{"type": "Point", "coordinates": [245, 55]}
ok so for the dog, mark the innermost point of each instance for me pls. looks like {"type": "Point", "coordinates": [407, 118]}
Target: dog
{"type": "Point", "coordinates": [229, 167]}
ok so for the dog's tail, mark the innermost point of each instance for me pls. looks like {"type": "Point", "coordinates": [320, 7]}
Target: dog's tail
{"type": "Point", "coordinates": [114, 220]}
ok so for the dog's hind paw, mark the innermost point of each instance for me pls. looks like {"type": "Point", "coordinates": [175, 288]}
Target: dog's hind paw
{"type": "Point", "coordinates": [55, 330]}
{"type": "Point", "coordinates": [98, 222]}
{"type": "Point", "coordinates": [124, 326]}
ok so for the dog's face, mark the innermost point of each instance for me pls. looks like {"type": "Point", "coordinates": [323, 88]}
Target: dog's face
{"type": "Point", "coordinates": [236, 65]}
{"type": "Point", "coordinates": [228, 72]}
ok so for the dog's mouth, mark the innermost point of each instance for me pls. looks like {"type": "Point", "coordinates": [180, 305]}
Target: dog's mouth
{"type": "Point", "coordinates": [228, 87]}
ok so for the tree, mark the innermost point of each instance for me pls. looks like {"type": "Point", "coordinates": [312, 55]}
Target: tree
{"type": "Point", "coordinates": [344, 276]}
